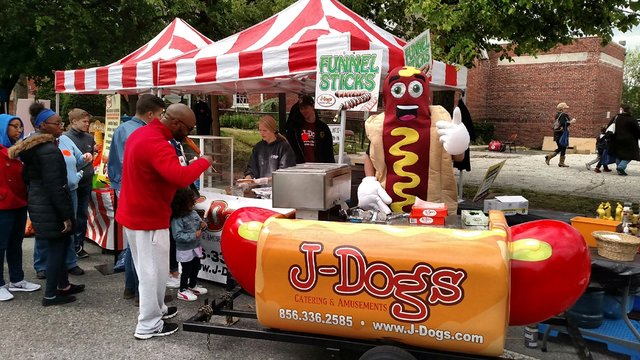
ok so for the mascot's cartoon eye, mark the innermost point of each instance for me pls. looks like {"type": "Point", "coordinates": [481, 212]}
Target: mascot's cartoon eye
{"type": "Point", "coordinates": [398, 89]}
{"type": "Point", "coordinates": [415, 89]}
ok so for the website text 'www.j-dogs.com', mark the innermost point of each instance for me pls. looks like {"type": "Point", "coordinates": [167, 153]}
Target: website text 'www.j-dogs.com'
{"type": "Point", "coordinates": [422, 330]}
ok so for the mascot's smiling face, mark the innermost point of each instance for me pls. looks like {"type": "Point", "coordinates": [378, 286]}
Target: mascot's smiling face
{"type": "Point", "coordinates": [406, 95]}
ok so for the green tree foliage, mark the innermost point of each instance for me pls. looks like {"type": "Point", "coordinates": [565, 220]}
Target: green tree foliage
{"type": "Point", "coordinates": [39, 37]}
{"type": "Point", "coordinates": [631, 81]}
{"type": "Point", "coordinates": [462, 29]}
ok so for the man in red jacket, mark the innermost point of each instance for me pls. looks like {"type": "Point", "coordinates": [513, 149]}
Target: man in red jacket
{"type": "Point", "coordinates": [151, 174]}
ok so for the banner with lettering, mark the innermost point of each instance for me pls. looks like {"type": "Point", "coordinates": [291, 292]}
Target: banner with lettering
{"type": "Point", "coordinates": [365, 281]}
{"type": "Point", "coordinates": [417, 52]}
{"type": "Point", "coordinates": [111, 122]}
{"type": "Point", "coordinates": [348, 81]}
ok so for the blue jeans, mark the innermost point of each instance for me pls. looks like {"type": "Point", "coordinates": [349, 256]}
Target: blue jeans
{"type": "Point", "coordinates": [12, 223]}
{"type": "Point", "coordinates": [561, 149]}
{"type": "Point", "coordinates": [130, 275]}
{"type": "Point", "coordinates": [40, 247]}
{"type": "Point", "coordinates": [82, 212]}
{"type": "Point", "coordinates": [622, 164]}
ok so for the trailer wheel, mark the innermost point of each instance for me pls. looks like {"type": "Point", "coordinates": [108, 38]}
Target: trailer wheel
{"type": "Point", "coordinates": [387, 352]}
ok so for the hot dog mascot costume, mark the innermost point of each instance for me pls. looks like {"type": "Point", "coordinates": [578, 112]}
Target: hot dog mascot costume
{"type": "Point", "coordinates": [412, 144]}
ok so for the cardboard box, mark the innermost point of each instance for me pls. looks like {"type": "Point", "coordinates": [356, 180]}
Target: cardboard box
{"type": "Point", "coordinates": [510, 205]}
{"type": "Point", "coordinates": [430, 212]}
{"type": "Point", "coordinates": [474, 218]}
{"type": "Point", "coordinates": [426, 220]}
{"type": "Point", "coordinates": [428, 215]}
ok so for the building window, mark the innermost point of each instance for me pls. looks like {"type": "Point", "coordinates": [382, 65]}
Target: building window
{"type": "Point", "coordinates": [240, 100]}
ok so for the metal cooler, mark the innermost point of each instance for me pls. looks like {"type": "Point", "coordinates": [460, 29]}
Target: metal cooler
{"type": "Point", "coordinates": [311, 187]}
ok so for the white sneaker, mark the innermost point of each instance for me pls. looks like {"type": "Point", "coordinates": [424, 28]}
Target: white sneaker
{"type": "Point", "coordinates": [198, 290]}
{"type": "Point", "coordinates": [187, 295]}
{"type": "Point", "coordinates": [173, 282]}
{"type": "Point", "coordinates": [23, 285]}
{"type": "Point", "coordinates": [5, 294]}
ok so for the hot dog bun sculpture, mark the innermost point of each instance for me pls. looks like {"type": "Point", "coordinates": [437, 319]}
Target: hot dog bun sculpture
{"type": "Point", "coordinates": [446, 289]}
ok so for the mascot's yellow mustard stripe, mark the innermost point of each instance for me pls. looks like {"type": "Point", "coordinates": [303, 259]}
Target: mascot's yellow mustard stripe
{"type": "Point", "coordinates": [411, 136]}
{"type": "Point", "coordinates": [408, 71]}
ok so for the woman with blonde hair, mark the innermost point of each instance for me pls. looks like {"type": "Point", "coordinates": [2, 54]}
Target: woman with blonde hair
{"type": "Point", "coordinates": [273, 152]}
{"type": "Point", "coordinates": [561, 134]}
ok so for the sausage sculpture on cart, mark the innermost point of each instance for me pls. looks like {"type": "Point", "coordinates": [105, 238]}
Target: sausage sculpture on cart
{"type": "Point", "coordinates": [434, 290]}
{"type": "Point", "coordinates": [442, 289]}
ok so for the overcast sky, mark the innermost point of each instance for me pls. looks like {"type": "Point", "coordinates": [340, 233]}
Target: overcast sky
{"type": "Point", "coordinates": [631, 37]}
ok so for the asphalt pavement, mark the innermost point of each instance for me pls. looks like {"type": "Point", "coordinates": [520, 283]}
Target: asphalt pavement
{"type": "Point", "coordinates": [527, 170]}
{"type": "Point", "coordinates": [100, 324]}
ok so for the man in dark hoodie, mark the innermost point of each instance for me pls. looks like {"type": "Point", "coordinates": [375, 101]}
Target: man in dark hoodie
{"type": "Point", "coordinates": [309, 137]}
{"type": "Point", "coordinates": [49, 200]}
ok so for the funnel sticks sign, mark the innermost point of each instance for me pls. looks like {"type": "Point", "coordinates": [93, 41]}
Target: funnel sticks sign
{"type": "Point", "coordinates": [348, 81]}
{"type": "Point", "coordinates": [417, 52]}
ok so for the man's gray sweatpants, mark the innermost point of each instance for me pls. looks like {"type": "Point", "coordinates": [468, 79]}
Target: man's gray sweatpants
{"type": "Point", "coordinates": [150, 251]}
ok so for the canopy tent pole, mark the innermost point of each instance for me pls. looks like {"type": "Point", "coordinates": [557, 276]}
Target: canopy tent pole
{"type": "Point", "coordinates": [460, 185]}
{"type": "Point", "coordinates": [343, 126]}
{"type": "Point", "coordinates": [58, 103]}
{"type": "Point", "coordinates": [282, 112]}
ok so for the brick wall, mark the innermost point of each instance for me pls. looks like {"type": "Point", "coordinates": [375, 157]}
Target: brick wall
{"type": "Point", "coordinates": [521, 96]}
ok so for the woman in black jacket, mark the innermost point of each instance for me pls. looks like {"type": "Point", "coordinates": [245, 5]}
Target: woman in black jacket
{"type": "Point", "coordinates": [624, 142]}
{"type": "Point", "coordinates": [48, 199]}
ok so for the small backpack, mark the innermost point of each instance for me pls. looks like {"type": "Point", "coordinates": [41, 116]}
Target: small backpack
{"type": "Point", "coordinates": [496, 145]}
{"type": "Point", "coordinates": [556, 123]}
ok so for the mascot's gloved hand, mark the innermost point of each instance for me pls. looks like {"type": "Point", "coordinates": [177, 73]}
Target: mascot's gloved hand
{"type": "Point", "coordinates": [371, 195]}
{"type": "Point", "coordinates": [453, 135]}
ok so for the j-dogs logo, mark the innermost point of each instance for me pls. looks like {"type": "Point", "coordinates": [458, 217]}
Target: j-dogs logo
{"type": "Point", "coordinates": [414, 291]}
{"type": "Point", "coordinates": [326, 100]}
{"type": "Point", "coordinates": [218, 213]}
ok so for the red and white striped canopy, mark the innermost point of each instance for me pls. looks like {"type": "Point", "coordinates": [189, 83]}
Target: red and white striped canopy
{"type": "Point", "coordinates": [137, 72]}
{"type": "Point", "coordinates": [279, 54]}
